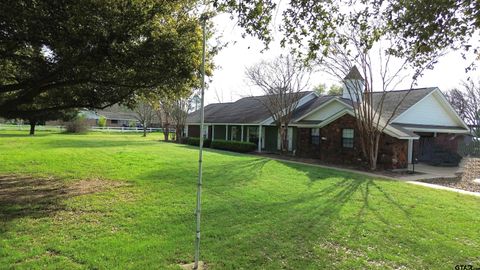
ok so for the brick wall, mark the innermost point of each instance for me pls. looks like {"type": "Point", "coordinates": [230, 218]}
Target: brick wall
{"type": "Point", "coordinates": [193, 131]}
{"type": "Point", "coordinates": [305, 148]}
{"type": "Point", "coordinates": [448, 141]}
{"type": "Point", "coordinates": [392, 151]}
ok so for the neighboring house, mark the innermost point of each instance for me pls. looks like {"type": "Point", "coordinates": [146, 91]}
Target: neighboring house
{"type": "Point", "coordinates": [424, 127]}
{"type": "Point", "coordinates": [115, 115]}
{"type": "Point", "coordinates": [118, 119]}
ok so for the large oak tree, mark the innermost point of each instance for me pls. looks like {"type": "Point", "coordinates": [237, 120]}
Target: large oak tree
{"type": "Point", "coordinates": [62, 54]}
{"type": "Point", "coordinates": [421, 29]}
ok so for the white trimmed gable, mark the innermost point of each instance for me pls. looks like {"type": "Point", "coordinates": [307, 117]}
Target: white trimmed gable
{"type": "Point", "coordinates": [431, 110]}
{"type": "Point", "coordinates": [326, 111]}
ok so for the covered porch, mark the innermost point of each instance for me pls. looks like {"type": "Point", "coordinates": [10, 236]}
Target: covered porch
{"type": "Point", "coordinates": [264, 136]}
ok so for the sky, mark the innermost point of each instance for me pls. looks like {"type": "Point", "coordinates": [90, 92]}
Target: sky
{"type": "Point", "coordinates": [228, 82]}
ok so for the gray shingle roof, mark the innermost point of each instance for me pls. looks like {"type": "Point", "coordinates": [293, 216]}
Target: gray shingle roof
{"type": "Point", "coordinates": [118, 115]}
{"type": "Point", "coordinates": [310, 106]}
{"type": "Point", "coordinates": [251, 109]}
{"type": "Point", "coordinates": [242, 111]}
{"type": "Point", "coordinates": [354, 74]}
{"type": "Point", "coordinates": [404, 125]}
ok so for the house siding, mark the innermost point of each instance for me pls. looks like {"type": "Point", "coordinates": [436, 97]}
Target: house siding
{"type": "Point", "coordinates": [429, 111]}
{"type": "Point", "coordinates": [392, 151]}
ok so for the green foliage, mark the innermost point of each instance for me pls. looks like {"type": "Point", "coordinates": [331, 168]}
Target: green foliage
{"type": "Point", "coordinates": [235, 146]}
{"type": "Point", "coordinates": [335, 89]}
{"type": "Point", "coordinates": [302, 217]}
{"type": "Point", "coordinates": [320, 89]}
{"type": "Point", "coordinates": [195, 141]}
{"type": "Point", "coordinates": [418, 30]}
{"type": "Point", "coordinates": [470, 149]}
{"type": "Point", "coordinates": [95, 53]}
{"type": "Point", "coordinates": [102, 121]}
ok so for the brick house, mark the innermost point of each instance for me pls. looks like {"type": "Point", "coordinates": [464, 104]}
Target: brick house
{"type": "Point", "coordinates": [323, 127]}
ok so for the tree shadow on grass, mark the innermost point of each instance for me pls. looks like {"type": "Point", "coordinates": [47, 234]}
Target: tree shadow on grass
{"type": "Point", "coordinates": [256, 221]}
{"type": "Point", "coordinates": [89, 143]}
{"type": "Point", "coordinates": [219, 176]}
{"type": "Point", "coordinates": [307, 222]}
{"type": "Point", "coordinates": [268, 228]}
{"type": "Point", "coordinates": [26, 196]}
{"type": "Point", "coordinates": [219, 151]}
{"type": "Point", "coordinates": [22, 196]}
{"type": "Point", "coordinates": [26, 135]}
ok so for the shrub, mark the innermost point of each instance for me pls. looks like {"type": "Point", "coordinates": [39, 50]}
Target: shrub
{"type": "Point", "coordinates": [196, 141]}
{"type": "Point", "coordinates": [236, 146]}
{"type": "Point", "coordinates": [469, 149]}
{"type": "Point", "coordinates": [77, 125]}
{"type": "Point", "coordinates": [184, 140]}
{"type": "Point", "coordinates": [102, 122]}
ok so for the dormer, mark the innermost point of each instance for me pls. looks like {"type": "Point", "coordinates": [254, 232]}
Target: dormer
{"type": "Point", "coordinates": [353, 85]}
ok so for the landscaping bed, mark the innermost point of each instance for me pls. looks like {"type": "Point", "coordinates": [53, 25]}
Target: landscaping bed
{"type": "Point", "coordinates": [464, 181]}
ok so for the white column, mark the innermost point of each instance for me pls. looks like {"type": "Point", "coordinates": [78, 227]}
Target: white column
{"type": "Point", "coordinates": [260, 138]}
{"type": "Point", "coordinates": [213, 132]}
{"type": "Point", "coordinates": [241, 138]}
{"type": "Point", "coordinates": [410, 151]}
{"type": "Point", "coordinates": [226, 132]}
{"type": "Point", "coordinates": [186, 130]}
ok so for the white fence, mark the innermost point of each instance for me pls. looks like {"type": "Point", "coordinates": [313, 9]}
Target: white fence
{"type": "Point", "coordinates": [27, 127]}
{"type": "Point", "coordinates": [128, 129]}
{"type": "Point", "coordinates": [94, 128]}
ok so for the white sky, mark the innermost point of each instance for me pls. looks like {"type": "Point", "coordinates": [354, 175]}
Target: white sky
{"type": "Point", "coordinates": [229, 83]}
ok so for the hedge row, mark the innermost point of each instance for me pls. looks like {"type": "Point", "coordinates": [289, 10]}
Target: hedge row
{"type": "Point", "coordinates": [235, 146]}
{"type": "Point", "coordinates": [195, 141]}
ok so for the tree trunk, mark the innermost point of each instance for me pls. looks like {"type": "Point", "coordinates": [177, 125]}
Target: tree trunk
{"type": "Point", "coordinates": [144, 131]}
{"type": "Point", "coordinates": [283, 138]}
{"type": "Point", "coordinates": [166, 132]}
{"type": "Point", "coordinates": [373, 155]}
{"type": "Point", "coordinates": [32, 127]}
{"type": "Point", "coordinates": [178, 133]}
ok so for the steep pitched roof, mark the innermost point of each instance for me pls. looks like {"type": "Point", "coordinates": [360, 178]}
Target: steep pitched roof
{"type": "Point", "coordinates": [310, 106]}
{"type": "Point", "coordinates": [354, 74]}
{"type": "Point", "coordinates": [242, 111]}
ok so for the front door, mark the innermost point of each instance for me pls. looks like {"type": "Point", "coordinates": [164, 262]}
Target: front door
{"type": "Point", "coordinates": [426, 148]}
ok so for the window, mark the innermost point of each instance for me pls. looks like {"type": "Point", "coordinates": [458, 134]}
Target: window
{"type": "Point", "coordinates": [114, 121]}
{"type": "Point", "coordinates": [252, 134]}
{"type": "Point", "coordinates": [347, 138]}
{"type": "Point", "coordinates": [205, 132]}
{"type": "Point", "coordinates": [315, 136]}
{"type": "Point", "coordinates": [233, 135]}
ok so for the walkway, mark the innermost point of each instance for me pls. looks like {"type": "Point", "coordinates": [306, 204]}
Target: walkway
{"type": "Point", "coordinates": [432, 172]}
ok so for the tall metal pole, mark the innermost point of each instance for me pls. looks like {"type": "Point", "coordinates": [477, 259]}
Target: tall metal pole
{"type": "Point", "coordinates": [200, 153]}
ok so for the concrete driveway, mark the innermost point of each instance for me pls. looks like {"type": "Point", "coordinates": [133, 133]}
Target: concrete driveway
{"type": "Point", "coordinates": [432, 172]}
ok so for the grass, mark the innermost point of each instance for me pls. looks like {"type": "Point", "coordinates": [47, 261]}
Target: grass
{"type": "Point", "coordinates": [120, 201]}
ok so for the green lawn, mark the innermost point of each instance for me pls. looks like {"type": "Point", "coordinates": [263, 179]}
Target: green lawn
{"type": "Point", "coordinates": [120, 201]}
